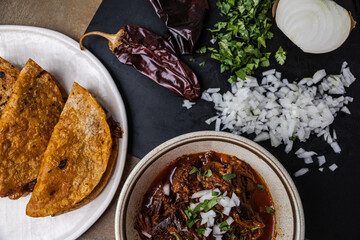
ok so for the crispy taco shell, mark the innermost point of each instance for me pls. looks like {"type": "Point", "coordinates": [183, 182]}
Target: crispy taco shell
{"type": "Point", "coordinates": [102, 184]}
{"type": "Point", "coordinates": [26, 124]}
{"type": "Point", "coordinates": [76, 158]}
{"type": "Point", "coordinates": [8, 76]}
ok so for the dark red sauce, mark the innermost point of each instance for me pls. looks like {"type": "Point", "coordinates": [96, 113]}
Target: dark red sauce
{"type": "Point", "coordinates": [162, 216]}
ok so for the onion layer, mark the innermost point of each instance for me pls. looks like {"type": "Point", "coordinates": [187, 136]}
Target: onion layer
{"type": "Point", "coordinates": [315, 26]}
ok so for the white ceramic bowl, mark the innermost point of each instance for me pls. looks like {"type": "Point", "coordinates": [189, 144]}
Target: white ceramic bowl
{"type": "Point", "coordinates": [289, 212]}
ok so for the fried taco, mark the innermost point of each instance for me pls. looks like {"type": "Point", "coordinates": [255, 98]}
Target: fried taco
{"type": "Point", "coordinates": [26, 125]}
{"type": "Point", "coordinates": [76, 159]}
{"type": "Point", "coordinates": [8, 76]}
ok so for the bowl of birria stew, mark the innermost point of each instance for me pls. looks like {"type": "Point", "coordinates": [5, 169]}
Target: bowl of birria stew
{"type": "Point", "coordinates": [209, 185]}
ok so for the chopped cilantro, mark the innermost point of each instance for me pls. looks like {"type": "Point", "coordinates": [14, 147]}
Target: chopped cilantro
{"type": "Point", "coordinates": [195, 170]}
{"type": "Point", "coordinates": [190, 213]}
{"type": "Point", "coordinates": [214, 193]}
{"type": "Point", "coordinates": [224, 226]}
{"type": "Point", "coordinates": [207, 204]}
{"type": "Point", "coordinates": [201, 50]}
{"type": "Point", "coordinates": [252, 229]}
{"type": "Point", "coordinates": [231, 236]}
{"type": "Point", "coordinates": [280, 56]}
{"type": "Point", "coordinates": [191, 222]}
{"type": "Point", "coordinates": [211, 203]}
{"type": "Point", "coordinates": [202, 64]}
{"type": "Point", "coordinates": [207, 173]}
{"type": "Point", "coordinates": [261, 187]}
{"type": "Point", "coordinates": [191, 59]}
{"type": "Point", "coordinates": [221, 214]}
{"type": "Point", "coordinates": [230, 176]}
{"type": "Point", "coordinates": [200, 231]}
{"type": "Point", "coordinates": [242, 37]}
{"type": "Point", "coordinates": [176, 235]}
{"type": "Point", "coordinates": [269, 210]}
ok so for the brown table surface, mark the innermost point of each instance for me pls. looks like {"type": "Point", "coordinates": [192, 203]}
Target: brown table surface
{"type": "Point", "coordinates": [70, 17]}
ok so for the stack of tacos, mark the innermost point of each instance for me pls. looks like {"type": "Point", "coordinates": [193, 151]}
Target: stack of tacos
{"type": "Point", "coordinates": [61, 148]}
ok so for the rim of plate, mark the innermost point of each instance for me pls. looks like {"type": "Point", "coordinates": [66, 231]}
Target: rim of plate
{"type": "Point", "coordinates": [123, 143]}
{"type": "Point", "coordinates": [276, 166]}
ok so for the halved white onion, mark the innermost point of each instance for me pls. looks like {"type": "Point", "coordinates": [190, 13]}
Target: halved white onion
{"type": "Point", "coordinates": [315, 26]}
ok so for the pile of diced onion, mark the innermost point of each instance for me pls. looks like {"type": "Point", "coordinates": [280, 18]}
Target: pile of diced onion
{"type": "Point", "coordinates": [282, 111]}
{"type": "Point", "coordinates": [208, 217]}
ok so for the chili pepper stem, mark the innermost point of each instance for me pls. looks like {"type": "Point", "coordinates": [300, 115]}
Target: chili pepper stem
{"type": "Point", "coordinates": [115, 40]}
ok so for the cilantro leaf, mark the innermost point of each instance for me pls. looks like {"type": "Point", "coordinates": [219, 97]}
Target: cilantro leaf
{"type": "Point", "coordinates": [207, 204]}
{"type": "Point", "coordinates": [280, 56]}
{"type": "Point", "coordinates": [221, 214]}
{"type": "Point", "coordinates": [224, 226]}
{"type": "Point", "coordinates": [191, 222]}
{"type": "Point", "coordinates": [241, 36]}
{"type": "Point", "coordinates": [201, 50]}
{"type": "Point", "coordinates": [190, 213]}
{"type": "Point", "coordinates": [195, 170]}
{"type": "Point", "coordinates": [230, 176]}
{"type": "Point", "coordinates": [261, 187]}
{"type": "Point", "coordinates": [231, 236]}
{"type": "Point", "coordinates": [207, 173]}
{"type": "Point", "coordinates": [202, 64]}
{"type": "Point", "coordinates": [176, 235]}
{"type": "Point", "coordinates": [200, 231]}
{"type": "Point", "coordinates": [269, 210]}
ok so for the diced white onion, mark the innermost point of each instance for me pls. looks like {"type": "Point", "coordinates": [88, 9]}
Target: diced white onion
{"type": "Point", "coordinates": [201, 193]}
{"type": "Point", "coordinates": [213, 90]}
{"type": "Point", "coordinates": [280, 111]}
{"type": "Point", "coordinates": [345, 110]}
{"type": "Point", "coordinates": [146, 234]}
{"type": "Point", "coordinates": [335, 147]}
{"type": "Point", "coordinates": [229, 220]}
{"type": "Point", "coordinates": [236, 199]}
{"type": "Point", "coordinates": [321, 160]}
{"type": "Point", "coordinates": [166, 189]}
{"type": "Point", "coordinates": [227, 202]}
{"type": "Point", "coordinates": [209, 214]}
{"type": "Point", "coordinates": [187, 104]}
{"type": "Point", "coordinates": [301, 172]}
{"type": "Point", "coordinates": [333, 167]}
{"type": "Point", "coordinates": [269, 72]}
{"type": "Point", "coordinates": [207, 232]}
{"type": "Point", "coordinates": [227, 211]}
{"type": "Point", "coordinates": [308, 160]}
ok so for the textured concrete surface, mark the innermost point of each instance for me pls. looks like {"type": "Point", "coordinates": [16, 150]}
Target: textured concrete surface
{"type": "Point", "coordinates": [70, 17]}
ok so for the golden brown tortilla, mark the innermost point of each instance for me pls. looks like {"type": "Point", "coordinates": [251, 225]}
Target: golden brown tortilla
{"type": "Point", "coordinates": [8, 76]}
{"type": "Point", "coordinates": [76, 158]}
{"type": "Point", "coordinates": [26, 125]}
{"type": "Point", "coordinates": [116, 133]}
{"type": "Point", "coordinates": [103, 182]}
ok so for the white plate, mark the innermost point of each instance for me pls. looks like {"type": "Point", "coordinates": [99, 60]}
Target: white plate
{"type": "Point", "coordinates": [61, 56]}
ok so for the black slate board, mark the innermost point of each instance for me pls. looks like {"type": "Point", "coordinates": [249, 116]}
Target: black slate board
{"type": "Point", "coordinates": [330, 199]}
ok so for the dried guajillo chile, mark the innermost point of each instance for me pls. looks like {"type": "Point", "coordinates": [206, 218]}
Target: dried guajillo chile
{"type": "Point", "coordinates": [154, 57]}
{"type": "Point", "coordinates": [184, 19]}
